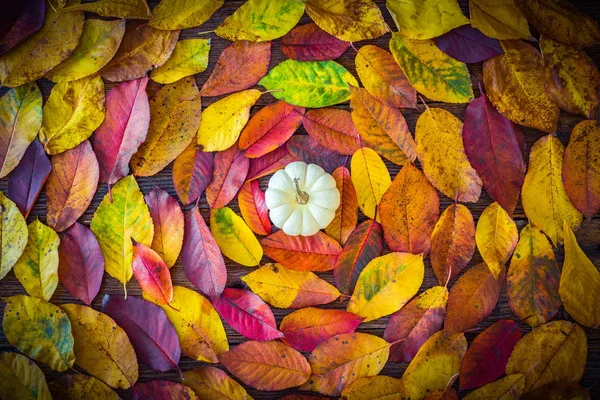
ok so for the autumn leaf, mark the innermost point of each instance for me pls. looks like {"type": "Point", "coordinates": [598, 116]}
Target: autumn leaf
{"type": "Point", "coordinates": [142, 49]}
{"type": "Point", "coordinates": [167, 219]}
{"type": "Point", "coordinates": [229, 173]}
{"type": "Point", "coordinates": [22, 21]}
{"type": "Point", "coordinates": [452, 242]}
{"type": "Point", "coordinates": [579, 283]}
{"type": "Point", "coordinates": [372, 387]}
{"type": "Point", "coordinates": [247, 314]}
{"type": "Point", "coordinates": [267, 365]}
{"type": "Point", "coordinates": [102, 348]}
{"type": "Point", "coordinates": [13, 234]}
{"type": "Point", "coordinates": [269, 163]}
{"type": "Point", "coordinates": [533, 278]}
{"type": "Point", "coordinates": [485, 361]}
{"type": "Point", "coordinates": [163, 389]}
{"type": "Point", "coordinates": [386, 284]}
{"type": "Point", "coordinates": [468, 45]}
{"type": "Point", "coordinates": [189, 57]}
{"type": "Point", "coordinates": [496, 237]}
{"type": "Point", "coordinates": [81, 387]}
{"type": "Point", "coordinates": [310, 83]}
{"type": "Point", "coordinates": [80, 265]}
{"type": "Point", "coordinates": [302, 253]}
{"type": "Point", "coordinates": [425, 19]}
{"type": "Point", "coordinates": [442, 155]}
{"type": "Point", "coordinates": [152, 335]}
{"type": "Point", "coordinates": [346, 215]}
{"type": "Point", "coordinates": [350, 21]}
{"type": "Point", "coordinates": [251, 201]}
{"type": "Point", "coordinates": [223, 121]}
{"type": "Point", "coordinates": [409, 211]}
{"type": "Point", "coordinates": [414, 324]}
{"type": "Point", "coordinates": [332, 128]}
{"type": "Point", "coordinates": [21, 377]}
{"type": "Point", "coordinates": [305, 148]}
{"type": "Point", "coordinates": [39, 330]}
{"type": "Point", "coordinates": [121, 216]}
{"type": "Point", "coordinates": [20, 121]}
{"type": "Point", "coordinates": [261, 20]}
{"type": "Point", "coordinates": [73, 111]}
{"type": "Point", "coordinates": [239, 66]}
{"type": "Point", "coordinates": [37, 268]}
{"type": "Point", "coordinates": [71, 186]}
{"type": "Point", "coordinates": [499, 19]}
{"type": "Point", "coordinates": [98, 44]}
{"type": "Point", "coordinates": [192, 172]}
{"type": "Point", "coordinates": [554, 352]}
{"type": "Point", "coordinates": [560, 389]}
{"type": "Point", "coordinates": [210, 382]}
{"type": "Point", "coordinates": [123, 130]}
{"type": "Point", "coordinates": [371, 178]}
{"type": "Point", "coordinates": [133, 9]}
{"type": "Point", "coordinates": [511, 386]}
{"type": "Point", "coordinates": [175, 14]}
{"type": "Point", "coordinates": [152, 274]}
{"type": "Point", "coordinates": [340, 360]}
{"type": "Point", "coordinates": [514, 82]}
{"type": "Point", "coordinates": [545, 200]}
{"type": "Point", "coordinates": [432, 72]}
{"type": "Point", "coordinates": [234, 238]}
{"type": "Point", "coordinates": [27, 179]}
{"type": "Point", "coordinates": [310, 43]}
{"type": "Point", "coordinates": [472, 298]}
{"type": "Point", "coordinates": [43, 50]}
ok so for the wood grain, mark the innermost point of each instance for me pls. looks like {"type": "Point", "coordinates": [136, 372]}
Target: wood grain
{"type": "Point", "coordinates": [588, 235]}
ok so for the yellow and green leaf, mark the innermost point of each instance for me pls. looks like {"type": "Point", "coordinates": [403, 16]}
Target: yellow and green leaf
{"type": "Point", "coordinates": [234, 237]}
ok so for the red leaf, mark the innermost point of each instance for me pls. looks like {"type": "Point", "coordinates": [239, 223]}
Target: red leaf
{"type": "Point", "coordinates": [152, 335]}
{"type": "Point", "coordinates": [346, 216]}
{"type": "Point", "coordinates": [19, 20]}
{"type": "Point", "coordinates": [152, 274]}
{"type": "Point", "coordinates": [192, 172]}
{"type": "Point", "coordinates": [305, 148]}
{"type": "Point", "coordinates": [229, 174]}
{"type": "Point", "coordinates": [486, 359]}
{"type": "Point", "coordinates": [363, 245]}
{"type": "Point", "coordinates": [167, 218]}
{"type": "Point", "coordinates": [270, 128]}
{"type": "Point", "coordinates": [472, 298]}
{"type": "Point", "coordinates": [201, 258]}
{"type": "Point", "coordinates": [332, 128]}
{"type": "Point", "coordinates": [162, 390]}
{"type": "Point", "coordinates": [495, 148]}
{"type": "Point", "coordinates": [467, 44]}
{"type": "Point", "coordinates": [123, 130]}
{"type": "Point", "coordinates": [26, 181]}
{"type": "Point", "coordinates": [303, 253]}
{"type": "Point", "coordinates": [251, 201]}
{"type": "Point", "coordinates": [270, 163]}
{"type": "Point", "coordinates": [311, 43]}
{"type": "Point", "coordinates": [240, 66]}
{"type": "Point", "coordinates": [81, 264]}
{"type": "Point", "coordinates": [306, 328]}
{"type": "Point", "coordinates": [247, 314]}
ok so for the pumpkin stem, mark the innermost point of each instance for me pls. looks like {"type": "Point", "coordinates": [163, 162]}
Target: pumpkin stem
{"type": "Point", "coordinates": [301, 196]}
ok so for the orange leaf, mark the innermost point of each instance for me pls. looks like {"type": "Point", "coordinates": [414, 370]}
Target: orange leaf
{"type": "Point", "coordinates": [346, 216]}
{"type": "Point", "coordinates": [251, 201]}
{"type": "Point", "coordinates": [152, 274]}
{"type": "Point", "coordinates": [192, 172]}
{"type": "Point", "coordinates": [168, 225]}
{"type": "Point", "coordinates": [332, 128]}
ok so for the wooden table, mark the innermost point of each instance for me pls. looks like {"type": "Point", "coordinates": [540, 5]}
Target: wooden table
{"type": "Point", "coordinates": [588, 235]}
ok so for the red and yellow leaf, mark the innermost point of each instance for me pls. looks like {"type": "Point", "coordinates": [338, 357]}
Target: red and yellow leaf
{"type": "Point", "coordinates": [332, 128]}
{"type": "Point", "coordinates": [152, 274]}
{"type": "Point", "coordinates": [211, 383]}
{"type": "Point", "coordinates": [229, 174]}
{"type": "Point", "coordinates": [192, 172]}
{"type": "Point", "coordinates": [167, 218]}
{"type": "Point", "coordinates": [253, 208]}
{"type": "Point", "coordinates": [346, 216]}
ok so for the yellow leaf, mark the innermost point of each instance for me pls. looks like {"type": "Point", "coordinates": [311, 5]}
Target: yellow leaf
{"type": "Point", "coordinates": [182, 14]}
{"type": "Point", "coordinates": [370, 178]}
{"type": "Point", "coordinates": [43, 50]}
{"type": "Point", "coordinates": [72, 113]}
{"type": "Point", "coordinates": [435, 366]}
{"type": "Point", "coordinates": [432, 72]}
{"type": "Point", "coordinates": [21, 378]}
{"type": "Point", "coordinates": [286, 288]}
{"type": "Point", "coordinates": [442, 154]}
{"type": "Point", "coordinates": [223, 121]}
{"type": "Point", "coordinates": [543, 195]}
{"type": "Point", "coordinates": [508, 388]}
{"type": "Point", "coordinates": [555, 352]}
{"type": "Point", "coordinates": [189, 57]}
{"type": "Point", "coordinates": [425, 19]}
{"type": "Point", "coordinates": [37, 268]}
{"type": "Point", "coordinates": [496, 237]}
{"type": "Point", "coordinates": [386, 284]}
{"type": "Point", "coordinates": [121, 216]}
{"type": "Point", "coordinates": [213, 383]}
{"type": "Point", "coordinates": [98, 44]}
{"type": "Point", "coordinates": [13, 234]}
{"type": "Point", "coordinates": [348, 20]}
{"type": "Point", "coordinates": [174, 120]}
{"type": "Point", "coordinates": [199, 328]}
{"type": "Point", "coordinates": [373, 388]}
{"type": "Point", "coordinates": [234, 238]}
{"type": "Point", "coordinates": [499, 19]}
{"type": "Point", "coordinates": [133, 9]}
{"type": "Point", "coordinates": [102, 348]}
{"type": "Point", "coordinates": [82, 387]}
{"type": "Point", "coordinates": [579, 283]}
{"type": "Point", "coordinates": [340, 360]}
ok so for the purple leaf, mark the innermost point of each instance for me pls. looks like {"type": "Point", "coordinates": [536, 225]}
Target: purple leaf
{"type": "Point", "coordinates": [305, 148]}
{"type": "Point", "coordinates": [468, 45]}
{"type": "Point", "coordinates": [20, 19]}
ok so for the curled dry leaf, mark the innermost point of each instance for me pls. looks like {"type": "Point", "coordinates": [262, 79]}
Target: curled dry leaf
{"type": "Point", "coordinates": [163, 389]}
{"type": "Point", "coordinates": [167, 219]}
{"type": "Point", "coordinates": [229, 173]}
{"type": "Point", "coordinates": [177, 14]}
{"type": "Point", "coordinates": [418, 19]}
{"type": "Point", "coordinates": [251, 201]}
{"type": "Point", "coordinates": [509, 387]}
{"type": "Point", "coordinates": [468, 45]}
{"type": "Point", "coordinates": [332, 128]}
{"type": "Point", "coordinates": [133, 9]}
{"type": "Point", "coordinates": [346, 215]}
{"type": "Point", "coordinates": [102, 348]}
{"type": "Point", "coordinates": [305, 148]}
{"type": "Point", "coordinates": [234, 238]}
{"type": "Point", "coordinates": [189, 57]}
{"type": "Point", "coordinates": [81, 387]}
{"type": "Point", "coordinates": [267, 365]}
{"type": "Point", "coordinates": [211, 382]}
{"type": "Point", "coordinates": [310, 43]}
{"type": "Point", "coordinates": [500, 19]}
{"type": "Point", "coordinates": [371, 178]}
{"type": "Point", "coordinates": [192, 172]}
{"type": "Point", "coordinates": [71, 185]}
{"type": "Point", "coordinates": [21, 376]}
{"type": "Point", "coordinates": [20, 21]}
{"type": "Point", "coordinates": [496, 237]}
{"type": "Point", "coordinates": [13, 234]}
{"type": "Point", "coordinates": [152, 274]}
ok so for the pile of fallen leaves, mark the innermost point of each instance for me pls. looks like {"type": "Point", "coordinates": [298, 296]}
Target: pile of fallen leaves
{"type": "Point", "coordinates": [85, 138]}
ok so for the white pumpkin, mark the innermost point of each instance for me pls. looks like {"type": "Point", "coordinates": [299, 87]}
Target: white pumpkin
{"type": "Point", "coordinates": [302, 199]}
